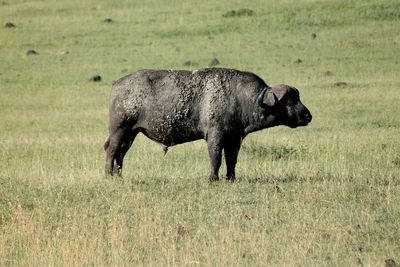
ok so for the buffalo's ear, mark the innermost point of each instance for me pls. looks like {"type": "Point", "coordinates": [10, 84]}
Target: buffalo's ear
{"type": "Point", "coordinates": [270, 99]}
{"type": "Point", "coordinates": [267, 98]}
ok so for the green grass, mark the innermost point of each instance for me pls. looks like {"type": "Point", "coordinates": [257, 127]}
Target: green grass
{"type": "Point", "coordinates": [327, 194]}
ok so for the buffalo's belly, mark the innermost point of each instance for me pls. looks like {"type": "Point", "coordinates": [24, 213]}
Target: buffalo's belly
{"type": "Point", "coordinates": [173, 135]}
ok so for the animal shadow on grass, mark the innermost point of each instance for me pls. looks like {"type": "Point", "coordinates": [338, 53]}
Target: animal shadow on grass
{"type": "Point", "coordinates": [276, 152]}
{"type": "Point", "coordinates": [284, 153]}
{"type": "Point", "coordinates": [239, 13]}
{"type": "Point", "coordinates": [319, 176]}
{"type": "Point", "coordinates": [274, 180]}
{"type": "Point", "coordinates": [153, 182]}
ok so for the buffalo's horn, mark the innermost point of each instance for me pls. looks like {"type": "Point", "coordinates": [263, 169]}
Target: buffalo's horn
{"type": "Point", "coordinates": [261, 97]}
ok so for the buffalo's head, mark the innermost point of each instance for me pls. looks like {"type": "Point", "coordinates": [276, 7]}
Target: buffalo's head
{"type": "Point", "coordinates": [283, 102]}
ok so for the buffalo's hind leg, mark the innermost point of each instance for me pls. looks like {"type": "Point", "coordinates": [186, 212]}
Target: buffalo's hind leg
{"type": "Point", "coordinates": [214, 143]}
{"type": "Point", "coordinates": [116, 147]}
{"type": "Point", "coordinates": [126, 143]}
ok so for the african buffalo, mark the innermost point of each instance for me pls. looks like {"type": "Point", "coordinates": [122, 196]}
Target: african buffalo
{"type": "Point", "coordinates": [219, 105]}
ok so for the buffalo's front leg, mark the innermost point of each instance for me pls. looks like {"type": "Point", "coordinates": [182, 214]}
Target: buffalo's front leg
{"type": "Point", "coordinates": [231, 150]}
{"type": "Point", "coordinates": [214, 144]}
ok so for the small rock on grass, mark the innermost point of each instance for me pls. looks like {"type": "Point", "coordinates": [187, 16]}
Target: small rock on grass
{"type": "Point", "coordinates": [187, 63]}
{"type": "Point", "coordinates": [31, 52]}
{"type": "Point", "coordinates": [390, 263]}
{"type": "Point", "coordinates": [214, 62]}
{"type": "Point", "coordinates": [340, 84]}
{"type": "Point", "coordinates": [9, 24]}
{"type": "Point", "coordinates": [95, 78]}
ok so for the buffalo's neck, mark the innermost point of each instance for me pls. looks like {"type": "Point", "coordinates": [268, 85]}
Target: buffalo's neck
{"type": "Point", "coordinates": [258, 120]}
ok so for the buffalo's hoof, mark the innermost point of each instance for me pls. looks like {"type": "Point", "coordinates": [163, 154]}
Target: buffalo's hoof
{"type": "Point", "coordinates": [214, 178]}
{"type": "Point", "coordinates": [109, 172]}
{"type": "Point", "coordinates": [230, 178]}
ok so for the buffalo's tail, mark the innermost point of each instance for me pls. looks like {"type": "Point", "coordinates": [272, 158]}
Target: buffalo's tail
{"type": "Point", "coordinates": [107, 143]}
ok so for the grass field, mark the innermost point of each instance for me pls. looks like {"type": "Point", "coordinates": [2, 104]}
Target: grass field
{"type": "Point", "coordinates": [323, 195]}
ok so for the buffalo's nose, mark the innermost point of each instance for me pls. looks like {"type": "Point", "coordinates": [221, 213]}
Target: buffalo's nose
{"type": "Point", "coordinates": [308, 117]}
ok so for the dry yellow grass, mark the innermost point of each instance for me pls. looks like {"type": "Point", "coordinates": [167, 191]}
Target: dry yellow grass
{"type": "Point", "coordinates": [327, 194]}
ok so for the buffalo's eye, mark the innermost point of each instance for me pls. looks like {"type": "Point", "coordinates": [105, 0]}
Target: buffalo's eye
{"type": "Point", "coordinates": [290, 102]}
{"type": "Point", "coordinates": [291, 107]}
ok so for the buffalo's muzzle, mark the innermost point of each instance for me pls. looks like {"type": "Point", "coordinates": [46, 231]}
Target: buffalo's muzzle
{"type": "Point", "coordinates": [307, 118]}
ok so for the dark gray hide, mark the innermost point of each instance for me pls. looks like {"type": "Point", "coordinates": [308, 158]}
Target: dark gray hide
{"type": "Point", "coordinates": [219, 105]}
